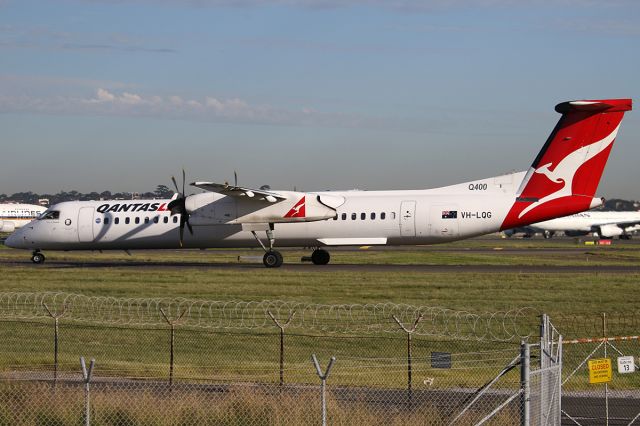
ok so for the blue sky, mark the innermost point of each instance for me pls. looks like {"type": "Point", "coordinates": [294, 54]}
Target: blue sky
{"type": "Point", "coordinates": [120, 95]}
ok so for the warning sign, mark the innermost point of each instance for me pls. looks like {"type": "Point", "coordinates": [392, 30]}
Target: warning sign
{"type": "Point", "coordinates": [600, 370]}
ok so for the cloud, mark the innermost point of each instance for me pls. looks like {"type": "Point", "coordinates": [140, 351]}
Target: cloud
{"type": "Point", "coordinates": [48, 39]}
{"type": "Point", "coordinates": [105, 102]}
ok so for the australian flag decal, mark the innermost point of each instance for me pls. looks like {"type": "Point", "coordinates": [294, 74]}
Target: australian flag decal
{"type": "Point", "coordinates": [449, 214]}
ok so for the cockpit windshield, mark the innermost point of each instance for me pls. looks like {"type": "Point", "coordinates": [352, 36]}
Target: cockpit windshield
{"type": "Point", "coordinates": [49, 214]}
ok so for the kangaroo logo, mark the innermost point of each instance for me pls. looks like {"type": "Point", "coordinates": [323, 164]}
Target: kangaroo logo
{"type": "Point", "coordinates": [298, 210]}
{"type": "Point", "coordinates": [566, 169]}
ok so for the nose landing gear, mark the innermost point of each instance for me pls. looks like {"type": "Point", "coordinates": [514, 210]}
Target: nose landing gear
{"type": "Point", "coordinates": [37, 257]}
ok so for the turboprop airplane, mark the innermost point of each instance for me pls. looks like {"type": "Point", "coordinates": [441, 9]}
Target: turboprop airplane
{"type": "Point", "coordinates": [13, 216]}
{"type": "Point", "coordinates": [562, 180]}
{"type": "Point", "coordinates": [601, 224]}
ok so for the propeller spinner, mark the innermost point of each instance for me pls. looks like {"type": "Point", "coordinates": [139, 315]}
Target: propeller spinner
{"type": "Point", "coordinates": [178, 206]}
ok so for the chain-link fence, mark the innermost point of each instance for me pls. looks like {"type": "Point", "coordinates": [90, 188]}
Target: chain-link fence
{"type": "Point", "coordinates": [161, 361]}
{"type": "Point", "coordinates": [612, 399]}
{"type": "Point", "coordinates": [200, 362]}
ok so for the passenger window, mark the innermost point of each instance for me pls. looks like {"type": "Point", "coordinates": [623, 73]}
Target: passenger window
{"type": "Point", "coordinates": [156, 219]}
{"type": "Point", "coordinates": [175, 219]}
{"type": "Point", "coordinates": [383, 215]}
{"type": "Point", "coordinates": [106, 220]}
{"type": "Point", "coordinates": [166, 219]}
{"type": "Point", "coordinates": [344, 216]}
{"type": "Point", "coordinates": [146, 220]}
{"type": "Point", "coordinates": [363, 216]}
{"type": "Point", "coordinates": [137, 220]}
{"type": "Point", "coordinates": [116, 220]}
{"type": "Point", "coordinates": [373, 216]}
{"type": "Point", "coordinates": [393, 215]}
{"type": "Point", "coordinates": [353, 216]}
{"type": "Point", "coordinates": [126, 220]}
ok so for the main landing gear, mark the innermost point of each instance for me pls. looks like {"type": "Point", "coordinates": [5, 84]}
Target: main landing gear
{"type": "Point", "coordinates": [320, 257]}
{"type": "Point", "coordinates": [272, 258]}
{"type": "Point", "coordinates": [37, 257]}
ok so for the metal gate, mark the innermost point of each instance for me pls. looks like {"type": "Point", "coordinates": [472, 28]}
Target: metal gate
{"type": "Point", "coordinates": [614, 402]}
{"type": "Point", "coordinates": [537, 401]}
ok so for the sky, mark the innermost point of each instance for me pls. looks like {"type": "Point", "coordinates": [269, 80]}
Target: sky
{"type": "Point", "coordinates": [307, 94]}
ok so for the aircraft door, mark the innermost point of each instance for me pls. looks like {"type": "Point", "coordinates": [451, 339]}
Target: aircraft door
{"type": "Point", "coordinates": [85, 224]}
{"type": "Point", "coordinates": [408, 219]}
{"type": "Point", "coordinates": [443, 221]}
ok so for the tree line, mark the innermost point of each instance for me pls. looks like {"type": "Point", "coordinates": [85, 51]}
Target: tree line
{"type": "Point", "coordinates": [162, 191]}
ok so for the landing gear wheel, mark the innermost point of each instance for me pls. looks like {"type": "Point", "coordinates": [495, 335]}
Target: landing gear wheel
{"type": "Point", "coordinates": [37, 257]}
{"type": "Point", "coordinates": [320, 257]}
{"type": "Point", "coordinates": [272, 259]}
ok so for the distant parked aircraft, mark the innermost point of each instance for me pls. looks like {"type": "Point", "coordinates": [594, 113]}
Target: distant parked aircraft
{"type": "Point", "coordinates": [602, 224]}
{"type": "Point", "coordinates": [562, 180]}
{"type": "Point", "coordinates": [13, 216]}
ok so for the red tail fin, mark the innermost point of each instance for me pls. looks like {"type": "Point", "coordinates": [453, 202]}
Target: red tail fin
{"type": "Point", "coordinates": [564, 176]}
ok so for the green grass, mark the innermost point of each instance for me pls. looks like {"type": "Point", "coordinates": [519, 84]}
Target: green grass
{"type": "Point", "coordinates": [573, 300]}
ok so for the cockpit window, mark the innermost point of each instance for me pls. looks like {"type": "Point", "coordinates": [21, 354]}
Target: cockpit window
{"type": "Point", "coordinates": [50, 214]}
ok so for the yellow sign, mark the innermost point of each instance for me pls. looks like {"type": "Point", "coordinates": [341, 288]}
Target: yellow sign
{"type": "Point", "coordinates": [600, 370]}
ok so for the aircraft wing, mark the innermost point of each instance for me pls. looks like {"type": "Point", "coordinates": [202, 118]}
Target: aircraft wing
{"type": "Point", "coordinates": [239, 191]}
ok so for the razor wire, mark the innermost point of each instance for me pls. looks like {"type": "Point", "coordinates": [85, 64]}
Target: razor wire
{"type": "Point", "coordinates": [508, 325]}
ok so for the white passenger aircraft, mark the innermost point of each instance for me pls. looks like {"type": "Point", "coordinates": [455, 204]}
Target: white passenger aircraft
{"type": "Point", "coordinates": [14, 216]}
{"type": "Point", "coordinates": [561, 181]}
{"type": "Point", "coordinates": [601, 224]}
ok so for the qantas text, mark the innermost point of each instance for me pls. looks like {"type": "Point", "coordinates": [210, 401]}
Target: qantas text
{"type": "Point", "coordinates": [132, 207]}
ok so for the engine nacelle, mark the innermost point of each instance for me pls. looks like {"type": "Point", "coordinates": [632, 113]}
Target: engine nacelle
{"type": "Point", "coordinates": [609, 231]}
{"type": "Point", "coordinates": [7, 226]}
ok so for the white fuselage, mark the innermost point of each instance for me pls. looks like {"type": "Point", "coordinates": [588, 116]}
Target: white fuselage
{"type": "Point", "coordinates": [365, 218]}
{"type": "Point", "coordinates": [607, 224]}
{"type": "Point", "coordinates": [14, 216]}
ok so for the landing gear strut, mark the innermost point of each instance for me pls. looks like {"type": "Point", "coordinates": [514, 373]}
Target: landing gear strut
{"type": "Point", "coordinates": [272, 258]}
{"type": "Point", "coordinates": [37, 257]}
{"type": "Point", "coordinates": [320, 257]}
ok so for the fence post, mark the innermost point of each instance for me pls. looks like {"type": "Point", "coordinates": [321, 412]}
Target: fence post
{"type": "Point", "coordinates": [323, 378]}
{"type": "Point", "coordinates": [56, 316]}
{"type": "Point", "coordinates": [86, 375]}
{"type": "Point", "coordinates": [409, 332]}
{"type": "Point", "coordinates": [282, 327]}
{"type": "Point", "coordinates": [525, 392]}
{"type": "Point", "coordinates": [172, 324]}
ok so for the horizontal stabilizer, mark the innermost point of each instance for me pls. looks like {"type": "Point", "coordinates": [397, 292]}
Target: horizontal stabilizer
{"type": "Point", "coordinates": [609, 105]}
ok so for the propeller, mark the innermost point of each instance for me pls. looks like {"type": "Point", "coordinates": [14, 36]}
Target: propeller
{"type": "Point", "coordinates": [178, 206]}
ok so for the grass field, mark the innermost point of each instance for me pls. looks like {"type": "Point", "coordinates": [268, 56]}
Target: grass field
{"type": "Point", "coordinates": [217, 275]}
{"type": "Point", "coordinates": [190, 276]}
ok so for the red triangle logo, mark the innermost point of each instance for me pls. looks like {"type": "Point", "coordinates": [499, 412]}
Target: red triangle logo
{"type": "Point", "coordinates": [297, 210]}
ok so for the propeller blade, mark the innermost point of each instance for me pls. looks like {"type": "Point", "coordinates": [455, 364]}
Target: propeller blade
{"type": "Point", "coordinates": [184, 178]}
{"type": "Point", "coordinates": [181, 233]}
{"type": "Point", "coordinates": [235, 178]}
{"type": "Point", "coordinates": [173, 179]}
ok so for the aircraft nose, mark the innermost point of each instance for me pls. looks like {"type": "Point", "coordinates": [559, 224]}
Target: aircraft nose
{"type": "Point", "coordinates": [15, 239]}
